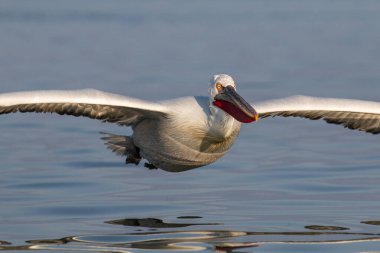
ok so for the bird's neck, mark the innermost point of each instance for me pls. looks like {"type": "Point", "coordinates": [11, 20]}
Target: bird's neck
{"type": "Point", "coordinates": [221, 124]}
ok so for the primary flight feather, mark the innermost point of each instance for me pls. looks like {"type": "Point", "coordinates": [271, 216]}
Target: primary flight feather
{"type": "Point", "coordinates": [186, 133]}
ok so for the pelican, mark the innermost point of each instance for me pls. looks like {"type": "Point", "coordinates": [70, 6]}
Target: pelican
{"type": "Point", "coordinates": [185, 133]}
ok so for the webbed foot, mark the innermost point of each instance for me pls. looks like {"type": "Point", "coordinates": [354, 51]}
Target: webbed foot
{"type": "Point", "coordinates": [150, 166]}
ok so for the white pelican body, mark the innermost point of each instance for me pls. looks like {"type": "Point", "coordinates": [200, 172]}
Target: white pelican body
{"type": "Point", "coordinates": [187, 138]}
{"type": "Point", "coordinates": [185, 133]}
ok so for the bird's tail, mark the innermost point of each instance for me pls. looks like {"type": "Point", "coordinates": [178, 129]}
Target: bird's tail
{"type": "Point", "coordinates": [119, 144]}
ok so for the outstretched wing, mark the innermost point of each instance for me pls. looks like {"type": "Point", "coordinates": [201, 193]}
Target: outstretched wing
{"type": "Point", "coordinates": [353, 114]}
{"type": "Point", "coordinates": [89, 103]}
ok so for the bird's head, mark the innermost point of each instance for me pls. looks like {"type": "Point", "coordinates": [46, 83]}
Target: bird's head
{"type": "Point", "coordinates": [224, 96]}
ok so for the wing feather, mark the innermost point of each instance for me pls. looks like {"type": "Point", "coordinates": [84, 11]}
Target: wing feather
{"type": "Point", "coordinates": [89, 103]}
{"type": "Point", "coordinates": [353, 114]}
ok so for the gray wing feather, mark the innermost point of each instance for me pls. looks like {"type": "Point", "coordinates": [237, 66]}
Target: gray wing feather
{"type": "Point", "coordinates": [87, 103]}
{"type": "Point", "coordinates": [352, 114]}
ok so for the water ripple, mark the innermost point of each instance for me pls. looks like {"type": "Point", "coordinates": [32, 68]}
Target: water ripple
{"type": "Point", "coordinates": [188, 241]}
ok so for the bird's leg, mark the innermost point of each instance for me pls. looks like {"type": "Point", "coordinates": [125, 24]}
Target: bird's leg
{"type": "Point", "coordinates": [150, 166]}
{"type": "Point", "coordinates": [133, 159]}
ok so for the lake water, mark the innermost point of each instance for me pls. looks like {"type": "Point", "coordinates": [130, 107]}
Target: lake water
{"type": "Point", "coordinates": [287, 185]}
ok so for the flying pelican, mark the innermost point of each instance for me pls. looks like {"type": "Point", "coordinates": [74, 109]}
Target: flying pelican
{"type": "Point", "coordinates": [189, 132]}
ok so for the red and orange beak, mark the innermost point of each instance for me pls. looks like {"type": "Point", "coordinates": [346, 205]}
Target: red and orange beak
{"type": "Point", "coordinates": [232, 103]}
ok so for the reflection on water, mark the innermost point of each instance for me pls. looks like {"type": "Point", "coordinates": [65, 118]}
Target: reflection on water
{"type": "Point", "coordinates": [197, 240]}
{"type": "Point", "coordinates": [319, 227]}
{"type": "Point", "coordinates": [153, 223]}
{"type": "Point", "coordinates": [372, 222]}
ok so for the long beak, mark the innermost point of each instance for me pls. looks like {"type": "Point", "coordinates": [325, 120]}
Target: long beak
{"type": "Point", "coordinates": [243, 111]}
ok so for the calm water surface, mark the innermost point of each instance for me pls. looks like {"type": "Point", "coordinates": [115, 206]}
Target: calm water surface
{"type": "Point", "coordinates": [288, 185]}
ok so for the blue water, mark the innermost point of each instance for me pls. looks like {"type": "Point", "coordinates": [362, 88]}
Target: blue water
{"type": "Point", "coordinates": [287, 185]}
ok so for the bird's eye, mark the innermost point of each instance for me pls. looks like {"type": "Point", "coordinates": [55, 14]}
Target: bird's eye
{"type": "Point", "coordinates": [219, 87]}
